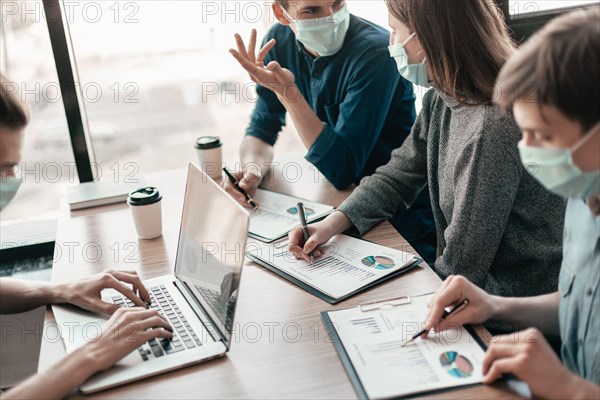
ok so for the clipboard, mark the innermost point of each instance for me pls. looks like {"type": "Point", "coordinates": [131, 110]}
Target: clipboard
{"type": "Point", "coordinates": [367, 307]}
{"type": "Point", "coordinates": [317, 293]}
{"type": "Point", "coordinates": [294, 200]}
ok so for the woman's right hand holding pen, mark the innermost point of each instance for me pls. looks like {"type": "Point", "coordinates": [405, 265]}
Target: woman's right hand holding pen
{"type": "Point", "coordinates": [320, 233]}
{"type": "Point", "coordinates": [455, 289]}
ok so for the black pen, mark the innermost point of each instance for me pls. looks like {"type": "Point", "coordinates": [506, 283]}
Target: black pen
{"type": "Point", "coordinates": [304, 228]}
{"type": "Point", "coordinates": [235, 183]}
{"type": "Point", "coordinates": [461, 306]}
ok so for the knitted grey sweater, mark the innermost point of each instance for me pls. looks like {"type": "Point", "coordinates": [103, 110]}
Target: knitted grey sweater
{"type": "Point", "coordinates": [496, 225]}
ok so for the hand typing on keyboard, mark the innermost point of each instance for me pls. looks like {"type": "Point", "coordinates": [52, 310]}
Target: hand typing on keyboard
{"type": "Point", "coordinates": [184, 337]}
{"type": "Point", "coordinates": [86, 293]}
{"type": "Point", "coordinates": [127, 330]}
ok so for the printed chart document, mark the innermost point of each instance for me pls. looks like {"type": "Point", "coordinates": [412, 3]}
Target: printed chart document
{"type": "Point", "coordinates": [348, 266]}
{"type": "Point", "coordinates": [278, 214]}
{"type": "Point", "coordinates": [369, 340]}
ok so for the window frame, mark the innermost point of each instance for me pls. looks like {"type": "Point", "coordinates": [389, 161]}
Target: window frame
{"type": "Point", "coordinates": [62, 50]}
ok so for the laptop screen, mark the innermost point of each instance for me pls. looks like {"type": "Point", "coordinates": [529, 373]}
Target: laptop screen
{"type": "Point", "coordinates": [210, 253]}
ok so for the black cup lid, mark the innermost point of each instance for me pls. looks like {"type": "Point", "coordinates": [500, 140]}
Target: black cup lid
{"type": "Point", "coordinates": [208, 142]}
{"type": "Point", "coordinates": [144, 196]}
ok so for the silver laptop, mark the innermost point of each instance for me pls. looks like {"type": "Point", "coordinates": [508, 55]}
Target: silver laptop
{"type": "Point", "coordinates": [199, 299]}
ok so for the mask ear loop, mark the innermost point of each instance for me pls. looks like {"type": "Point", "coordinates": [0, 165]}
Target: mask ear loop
{"type": "Point", "coordinates": [408, 39]}
{"type": "Point", "coordinates": [288, 16]}
{"type": "Point", "coordinates": [580, 150]}
{"type": "Point", "coordinates": [589, 134]}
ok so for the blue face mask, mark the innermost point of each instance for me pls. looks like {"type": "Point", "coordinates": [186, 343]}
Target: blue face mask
{"type": "Point", "coordinates": [557, 171]}
{"type": "Point", "coordinates": [8, 189]}
{"type": "Point", "coordinates": [415, 73]}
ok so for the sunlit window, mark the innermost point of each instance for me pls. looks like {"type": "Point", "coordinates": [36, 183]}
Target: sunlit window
{"type": "Point", "coordinates": [159, 75]}
{"type": "Point", "coordinates": [48, 165]}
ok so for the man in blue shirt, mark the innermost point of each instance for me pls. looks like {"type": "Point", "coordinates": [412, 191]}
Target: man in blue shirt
{"type": "Point", "coordinates": [332, 72]}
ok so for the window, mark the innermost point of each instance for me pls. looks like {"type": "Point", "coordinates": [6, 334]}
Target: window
{"type": "Point", "coordinates": [47, 165]}
{"type": "Point", "coordinates": [157, 74]}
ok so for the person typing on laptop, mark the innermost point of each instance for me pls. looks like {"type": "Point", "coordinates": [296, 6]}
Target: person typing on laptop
{"type": "Point", "coordinates": [125, 331]}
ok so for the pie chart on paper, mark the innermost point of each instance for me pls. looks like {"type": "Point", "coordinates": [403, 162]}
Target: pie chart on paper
{"type": "Point", "coordinates": [456, 365]}
{"type": "Point", "coordinates": [378, 262]}
{"type": "Point", "coordinates": [294, 211]}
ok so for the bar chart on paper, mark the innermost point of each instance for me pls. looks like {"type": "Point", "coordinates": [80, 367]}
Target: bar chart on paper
{"type": "Point", "coordinates": [392, 357]}
{"type": "Point", "coordinates": [368, 324]}
{"type": "Point", "coordinates": [331, 266]}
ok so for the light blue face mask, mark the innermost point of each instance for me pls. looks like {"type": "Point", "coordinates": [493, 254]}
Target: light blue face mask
{"type": "Point", "coordinates": [323, 35]}
{"type": "Point", "coordinates": [8, 189]}
{"type": "Point", "coordinates": [415, 73]}
{"type": "Point", "coordinates": [556, 170]}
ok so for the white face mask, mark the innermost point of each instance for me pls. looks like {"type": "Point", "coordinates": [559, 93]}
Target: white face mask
{"type": "Point", "coordinates": [558, 172]}
{"type": "Point", "coordinates": [9, 185]}
{"type": "Point", "coordinates": [415, 73]}
{"type": "Point", "coordinates": [323, 35]}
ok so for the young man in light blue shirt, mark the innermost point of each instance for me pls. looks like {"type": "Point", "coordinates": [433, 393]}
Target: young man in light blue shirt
{"type": "Point", "coordinates": [551, 86]}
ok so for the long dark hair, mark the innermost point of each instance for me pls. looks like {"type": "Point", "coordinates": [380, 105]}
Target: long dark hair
{"type": "Point", "coordinates": [466, 43]}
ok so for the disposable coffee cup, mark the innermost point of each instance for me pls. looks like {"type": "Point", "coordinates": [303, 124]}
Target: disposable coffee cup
{"type": "Point", "coordinates": [210, 155]}
{"type": "Point", "coordinates": [145, 205]}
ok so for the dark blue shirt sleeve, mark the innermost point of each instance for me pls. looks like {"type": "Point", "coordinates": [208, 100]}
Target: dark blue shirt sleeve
{"type": "Point", "coordinates": [269, 114]}
{"type": "Point", "coordinates": [341, 151]}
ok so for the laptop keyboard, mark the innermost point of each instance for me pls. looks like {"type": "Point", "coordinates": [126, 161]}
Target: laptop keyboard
{"type": "Point", "coordinates": [214, 300]}
{"type": "Point", "coordinates": [184, 337]}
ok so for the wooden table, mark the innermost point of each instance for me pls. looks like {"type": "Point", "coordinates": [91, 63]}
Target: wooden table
{"type": "Point", "coordinates": [280, 347]}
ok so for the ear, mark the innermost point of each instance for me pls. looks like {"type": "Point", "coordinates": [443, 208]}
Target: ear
{"type": "Point", "coordinates": [585, 157]}
{"type": "Point", "coordinates": [279, 14]}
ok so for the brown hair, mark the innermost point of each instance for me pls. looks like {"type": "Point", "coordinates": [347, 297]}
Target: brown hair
{"type": "Point", "coordinates": [558, 66]}
{"type": "Point", "coordinates": [13, 113]}
{"type": "Point", "coordinates": [466, 43]}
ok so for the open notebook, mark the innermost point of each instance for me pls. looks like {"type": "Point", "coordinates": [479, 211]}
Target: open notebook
{"type": "Point", "coordinates": [278, 214]}
{"type": "Point", "coordinates": [368, 339]}
{"type": "Point", "coordinates": [348, 266]}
